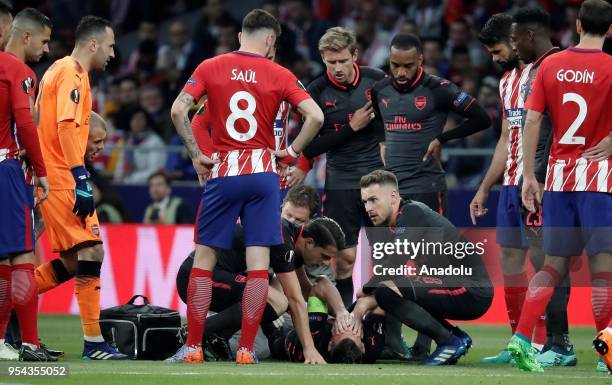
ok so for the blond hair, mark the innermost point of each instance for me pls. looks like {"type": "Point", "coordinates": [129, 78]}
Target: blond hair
{"type": "Point", "coordinates": [338, 38]}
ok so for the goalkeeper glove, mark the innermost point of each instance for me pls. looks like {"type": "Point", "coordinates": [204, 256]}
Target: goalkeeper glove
{"type": "Point", "coordinates": [83, 195]}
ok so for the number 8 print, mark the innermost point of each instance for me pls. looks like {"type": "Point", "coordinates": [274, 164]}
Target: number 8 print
{"type": "Point", "coordinates": [238, 113]}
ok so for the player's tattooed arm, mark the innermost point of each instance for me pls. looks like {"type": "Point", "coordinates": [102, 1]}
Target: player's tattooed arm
{"type": "Point", "coordinates": [179, 114]}
{"type": "Point", "coordinates": [189, 139]}
{"type": "Point", "coordinates": [180, 109]}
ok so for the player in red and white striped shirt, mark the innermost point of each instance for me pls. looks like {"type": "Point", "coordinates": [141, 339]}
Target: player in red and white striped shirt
{"type": "Point", "coordinates": [507, 162]}
{"type": "Point", "coordinates": [575, 86]}
{"type": "Point", "coordinates": [244, 92]}
{"type": "Point", "coordinates": [200, 125]}
{"type": "Point", "coordinates": [28, 41]}
{"type": "Point", "coordinates": [512, 96]}
{"type": "Point", "coordinates": [201, 131]}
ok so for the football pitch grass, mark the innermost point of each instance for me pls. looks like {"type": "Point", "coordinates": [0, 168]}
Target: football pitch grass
{"type": "Point", "coordinates": [64, 332]}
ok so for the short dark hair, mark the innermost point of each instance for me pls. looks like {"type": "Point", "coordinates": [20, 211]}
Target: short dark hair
{"type": "Point", "coordinates": [532, 15]}
{"type": "Point", "coordinates": [89, 26]}
{"type": "Point", "coordinates": [345, 351]}
{"type": "Point", "coordinates": [259, 19]}
{"type": "Point", "coordinates": [382, 177]}
{"type": "Point", "coordinates": [161, 174]}
{"type": "Point", "coordinates": [595, 17]}
{"type": "Point", "coordinates": [5, 7]}
{"type": "Point", "coordinates": [34, 16]}
{"type": "Point", "coordinates": [496, 29]}
{"type": "Point", "coordinates": [406, 41]}
{"type": "Point", "coordinates": [304, 196]}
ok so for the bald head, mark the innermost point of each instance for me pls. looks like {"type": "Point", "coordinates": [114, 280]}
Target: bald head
{"type": "Point", "coordinates": [97, 136]}
{"type": "Point", "coordinates": [97, 121]}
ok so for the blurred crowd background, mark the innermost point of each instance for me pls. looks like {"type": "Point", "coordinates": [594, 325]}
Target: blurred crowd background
{"type": "Point", "coordinates": [159, 44]}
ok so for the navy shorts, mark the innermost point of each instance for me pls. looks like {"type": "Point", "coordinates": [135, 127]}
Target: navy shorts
{"type": "Point", "coordinates": [253, 198]}
{"type": "Point", "coordinates": [510, 228]}
{"type": "Point", "coordinates": [282, 195]}
{"type": "Point", "coordinates": [577, 220]}
{"type": "Point", "coordinates": [16, 218]}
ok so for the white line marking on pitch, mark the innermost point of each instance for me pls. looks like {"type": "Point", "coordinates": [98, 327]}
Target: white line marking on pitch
{"type": "Point", "coordinates": [280, 374]}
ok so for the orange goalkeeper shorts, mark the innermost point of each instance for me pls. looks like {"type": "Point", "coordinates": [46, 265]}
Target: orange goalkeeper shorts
{"type": "Point", "coordinates": [65, 229]}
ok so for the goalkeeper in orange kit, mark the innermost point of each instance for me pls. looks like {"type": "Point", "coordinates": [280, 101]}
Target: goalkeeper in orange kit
{"type": "Point", "coordinates": [63, 110]}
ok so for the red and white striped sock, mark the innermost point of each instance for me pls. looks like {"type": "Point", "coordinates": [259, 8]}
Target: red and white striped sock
{"type": "Point", "coordinates": [601, 299]}
{"type": "Point", "coordinates": [6, 303]}
{"type": "Point", "coordinates": [254, 302]}
{"type": "Point", "coordinates": [199, 294]}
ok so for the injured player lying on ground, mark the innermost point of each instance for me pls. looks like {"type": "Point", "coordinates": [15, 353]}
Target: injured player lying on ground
{"type": "Point", "coordinates": [310, 244]}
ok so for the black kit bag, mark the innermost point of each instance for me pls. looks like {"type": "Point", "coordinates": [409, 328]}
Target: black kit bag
{"type": "Point", "coordinates": [143, 332]}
